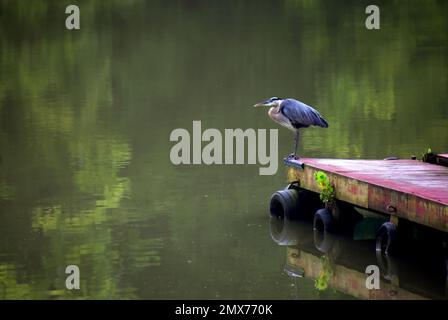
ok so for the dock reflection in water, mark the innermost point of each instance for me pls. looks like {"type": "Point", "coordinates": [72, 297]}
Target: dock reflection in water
{"type": "Point", "coordinates": [338, 262]}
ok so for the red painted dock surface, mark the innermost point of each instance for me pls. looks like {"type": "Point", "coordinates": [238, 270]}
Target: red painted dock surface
{"type": "Point", "coordinates": [425, 180]}
{"type": "Point", "coordinates": [409, 189]}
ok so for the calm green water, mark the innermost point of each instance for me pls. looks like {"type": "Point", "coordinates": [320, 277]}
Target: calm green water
{"type": "Point", "coordinates": [85, 119]}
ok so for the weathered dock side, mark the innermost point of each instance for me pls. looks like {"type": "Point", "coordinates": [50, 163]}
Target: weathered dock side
{"type": "Point", "coordinates": [406, 189]}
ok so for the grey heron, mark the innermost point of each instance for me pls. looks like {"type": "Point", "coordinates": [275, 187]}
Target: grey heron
{"type": "Point", "coordinates": [293, 115]}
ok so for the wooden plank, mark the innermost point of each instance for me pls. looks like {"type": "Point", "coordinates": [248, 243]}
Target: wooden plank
{"type": "Point", "coordinates": [409, 189]}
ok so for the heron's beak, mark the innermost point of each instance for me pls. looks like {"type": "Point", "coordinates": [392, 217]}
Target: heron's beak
{"type": "Point", "coordinates": [261, 104]}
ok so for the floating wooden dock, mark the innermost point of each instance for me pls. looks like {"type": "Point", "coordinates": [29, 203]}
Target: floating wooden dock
{"type": "Point", "coordinates": [405, 189]}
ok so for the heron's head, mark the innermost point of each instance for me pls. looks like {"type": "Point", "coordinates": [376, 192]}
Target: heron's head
{"type": "Point", "coordinates": [271, 102]}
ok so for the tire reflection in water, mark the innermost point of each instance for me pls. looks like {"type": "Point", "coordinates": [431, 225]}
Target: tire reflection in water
{"type": "Point", "coordinates": [310, 252]}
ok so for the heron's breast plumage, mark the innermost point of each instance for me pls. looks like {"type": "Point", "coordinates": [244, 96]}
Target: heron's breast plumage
{"type": "Point", "coordinates": [276, 115]}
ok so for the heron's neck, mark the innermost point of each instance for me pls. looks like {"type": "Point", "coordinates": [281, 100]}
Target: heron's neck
{"type": "Point", "coordinates": [276, 108]}
{"type": "Point", "coordinates": [273, 110]}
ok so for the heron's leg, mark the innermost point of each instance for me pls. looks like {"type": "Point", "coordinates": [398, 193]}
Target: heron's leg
{"type": "Point", "coordinates": [296, 144]}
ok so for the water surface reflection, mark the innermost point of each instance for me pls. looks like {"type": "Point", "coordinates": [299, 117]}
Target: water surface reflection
{"type": "Point", "coordinates": [338, 263]}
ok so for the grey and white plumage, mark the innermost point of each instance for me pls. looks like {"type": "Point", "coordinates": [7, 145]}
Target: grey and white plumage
{"type": "Point", "coordinates": [293, 115]}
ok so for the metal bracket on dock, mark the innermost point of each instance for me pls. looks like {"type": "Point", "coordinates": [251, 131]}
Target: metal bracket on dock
{"type": "Point", "coordinates": [293, 185]}
{"type": "Point", "coordinates": [391, 209]}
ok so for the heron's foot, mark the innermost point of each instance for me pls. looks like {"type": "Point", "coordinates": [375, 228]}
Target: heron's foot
{"type": "Point", "coordinates": [293, 156]}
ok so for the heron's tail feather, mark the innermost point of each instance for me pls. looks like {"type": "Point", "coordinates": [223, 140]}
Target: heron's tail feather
{"type": "Point", "coordinates": [323, 123]}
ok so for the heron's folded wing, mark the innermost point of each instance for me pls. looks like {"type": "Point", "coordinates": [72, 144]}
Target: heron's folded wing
{"type": "Point", "coordinates": [302, 115]}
